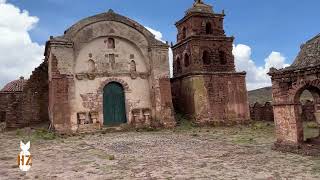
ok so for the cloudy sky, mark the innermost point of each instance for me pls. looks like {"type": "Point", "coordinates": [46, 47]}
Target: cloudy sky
{"type": "Point", "coordinates": [268, 33]}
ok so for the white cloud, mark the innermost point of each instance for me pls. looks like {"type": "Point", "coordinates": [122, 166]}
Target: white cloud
{"type": "Point", "coordinates": [158, 36]}
{"type": "Point", "coordinates": [18, 54]}
{"type": "Point", "coordinates": [256, 75]}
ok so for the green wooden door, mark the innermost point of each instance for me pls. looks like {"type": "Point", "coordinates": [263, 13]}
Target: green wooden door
{"type": "Point", "coordinates": [114, 109]}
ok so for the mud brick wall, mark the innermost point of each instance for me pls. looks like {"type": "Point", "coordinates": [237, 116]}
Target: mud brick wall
{"type": "Point", "coordinates": [35, 96]}
{"type": "Point", "coordinates": [260, 112]}
{"type": "Point", "coordinates": [59, 98]}
{"type": "Point", "coordinates": [210, 99]}
{"type": "Point", "coordinates": [10, 109]}
{"type": "Point", "coordinates": [167, 109]}
{"type": "Point", "coordinates": [3, 106]}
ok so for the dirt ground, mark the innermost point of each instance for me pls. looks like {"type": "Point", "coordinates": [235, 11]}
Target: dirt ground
{"type": "Point", "coordinates": [242, 152]}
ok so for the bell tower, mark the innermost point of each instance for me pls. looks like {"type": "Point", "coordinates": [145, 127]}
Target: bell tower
{"type": "Point", "coordinates": [206, 85]}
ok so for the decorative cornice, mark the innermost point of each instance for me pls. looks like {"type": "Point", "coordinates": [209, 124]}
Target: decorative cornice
{"type": "Point", "coordinates": [92, 76]}
{"type": "Point", "coordinates": [203, 38]}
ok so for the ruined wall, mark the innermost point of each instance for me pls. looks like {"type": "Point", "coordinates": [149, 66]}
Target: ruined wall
{"type": "Point", "coordinates": [59, 96]}
{"type": "Point", "coordinates": [10, 109]}
{"type": "Point", "coordinates": [211, 99]}
{"type": "Point", "coordinates": [35, 97]}
{"type": "Point", "coordinates": [161, 88]}
{"type": "Point", "coordinates": [260, 112]}
{"type": "Point", "coordinates": [3, 106]}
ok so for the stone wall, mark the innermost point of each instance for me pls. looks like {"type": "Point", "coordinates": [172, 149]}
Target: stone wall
{"type": "Point", "coordinates": [212, 99]}
{"type": "Point", "coordinates": [59, 107]}
{"type": "Point", "coordinates": [264, 112]}
{"type": "Point", "coordinates": [259, 112]}
{"type": "Point", "coordinates": [35, 97]}
{"type": "Point", "coordinates": [10, 109]}
{"type": "Point", "coordinates": [220, 58]}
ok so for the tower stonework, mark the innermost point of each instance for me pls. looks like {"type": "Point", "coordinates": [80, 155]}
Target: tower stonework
{"type": "Point", "coordinates": [205, 84]}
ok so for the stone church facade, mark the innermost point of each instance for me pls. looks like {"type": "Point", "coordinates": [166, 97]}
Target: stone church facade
{"type": "Point", "coordinates": [108, 70]}
{"type": "Point", "coordinates": [205, 85]}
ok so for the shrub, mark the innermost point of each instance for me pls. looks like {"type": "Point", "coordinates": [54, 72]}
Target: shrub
{"type": "Point", "coordinates": [312, 125]}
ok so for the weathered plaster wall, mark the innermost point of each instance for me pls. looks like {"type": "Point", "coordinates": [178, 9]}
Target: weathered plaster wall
{"type": "Point", "coordinates": [212, 99]}
{"type": "Point", "coordinates": [86, 91]}
{"type": "Point", "coordinates": [124, 52]}
{"type": "Point", "coordinates": [81, 63]}
{"type": "Point", "coordinates": [107, 28]}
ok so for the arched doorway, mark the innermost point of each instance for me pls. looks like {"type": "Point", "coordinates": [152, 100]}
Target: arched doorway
{"type": "Point", "coordinates": [114, 109]}
{"type": "Point", "coordinates": [308, 99]}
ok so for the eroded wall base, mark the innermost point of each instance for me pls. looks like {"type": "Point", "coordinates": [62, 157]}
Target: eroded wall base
{"type": "Point", "coordinates": [219, 98]}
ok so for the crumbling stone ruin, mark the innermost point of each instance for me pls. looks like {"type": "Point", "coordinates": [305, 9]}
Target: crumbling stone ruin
{"type": "Point", "coordinates": [10, 104]}
{"type": "Point", "coordinates": [259, 112]}
{"type": "Point", "coordinates": [288, 84]}
{"type": "Point", "coordinates": [25, 102]}
{"type": "Point", "coordinates": [205, 85]}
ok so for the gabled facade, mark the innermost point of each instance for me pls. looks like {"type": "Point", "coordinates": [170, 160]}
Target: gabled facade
{"type": "Point", "coordinates": [108, 70]}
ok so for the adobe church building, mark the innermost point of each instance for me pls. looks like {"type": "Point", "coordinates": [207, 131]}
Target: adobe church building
{"type": "Point", "coordinates": [108, 70]}
{"type": "Point", "coordinates": [25, 102]}
{"type": "Point", "coordinates": [206, 85]}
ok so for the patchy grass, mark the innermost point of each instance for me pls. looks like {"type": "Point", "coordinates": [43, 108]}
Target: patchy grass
{"type": "Point", "coordinates": [34, 135]}
{"type": "Point", "coordinates": [257, 132]}
{"type": "Point", "coordinates": [19, 132]}
{"type": "Point", "coordinates": [111, 157]}
{"type": "Point", "coordinates": [184, 124]}
{"type": "Point", "coordinates": [102, 154]}
{"type": "Point", "coordinates": [312, 125]}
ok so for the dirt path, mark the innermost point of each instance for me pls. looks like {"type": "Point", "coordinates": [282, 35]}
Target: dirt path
{"type": "Point", "coordinates": [220, 153]}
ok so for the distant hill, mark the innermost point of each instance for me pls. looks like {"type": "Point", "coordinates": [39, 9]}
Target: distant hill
{"type": "Point", "coordinates": [264, 95]}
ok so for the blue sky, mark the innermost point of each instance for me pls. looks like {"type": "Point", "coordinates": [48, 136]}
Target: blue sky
{"type": "Point", "coordinates": [273, 25]}
{"type": "Point", "coordinates": [264, 27]}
